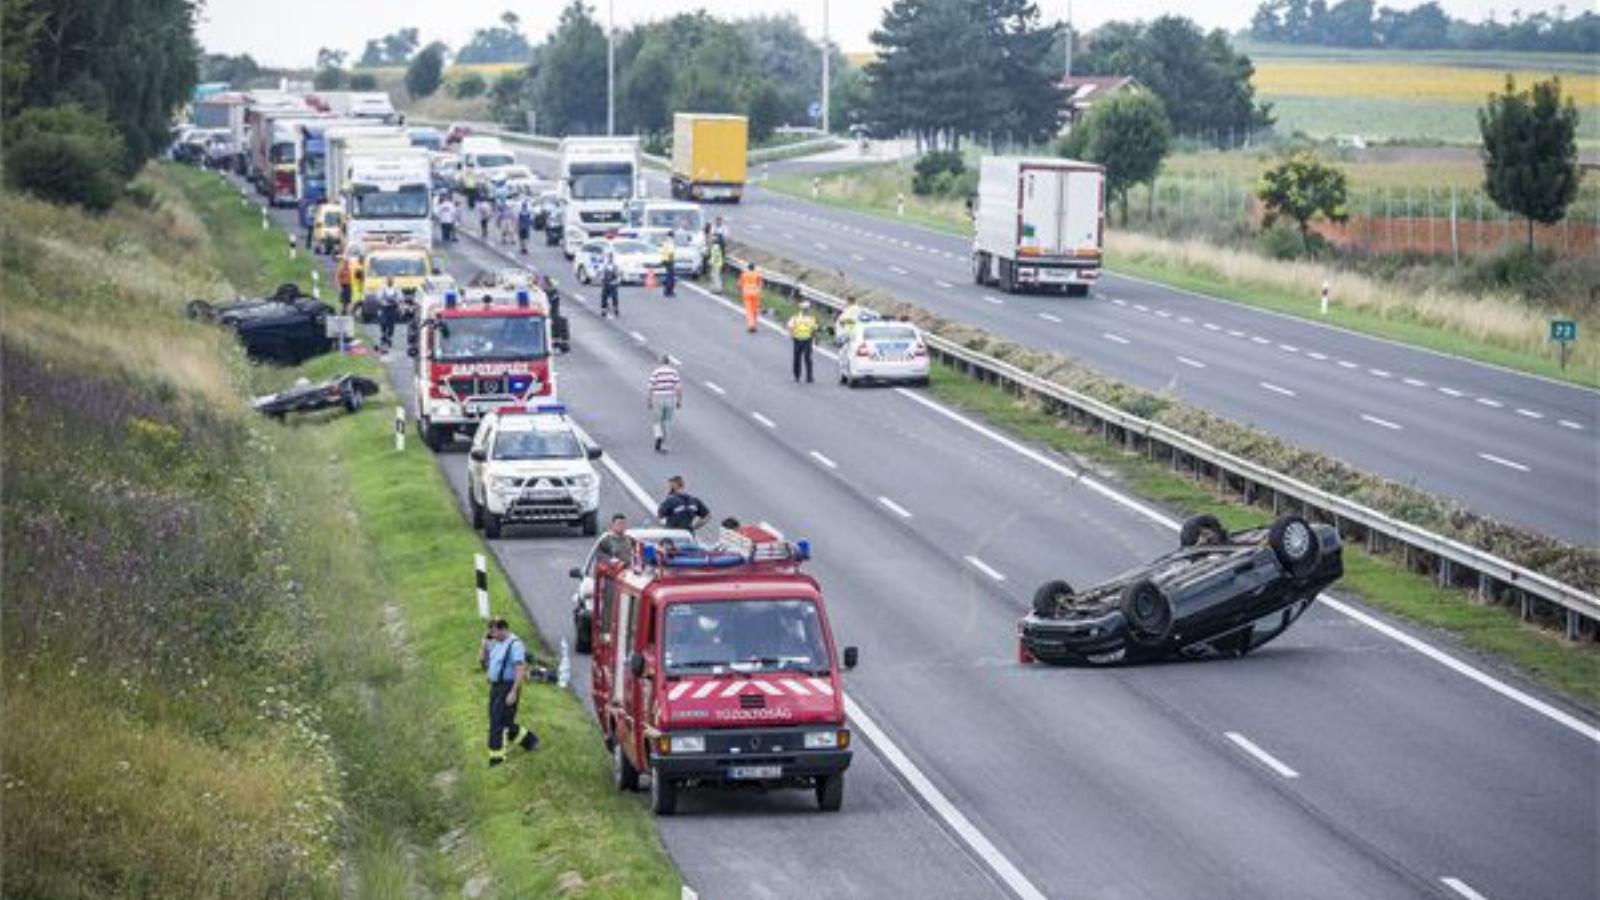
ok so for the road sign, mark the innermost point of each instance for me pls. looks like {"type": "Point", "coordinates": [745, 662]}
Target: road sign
{"type": "Point", "coordinates": [1563, 331]}
{"type": "Point", "coordinates": [815, 109]}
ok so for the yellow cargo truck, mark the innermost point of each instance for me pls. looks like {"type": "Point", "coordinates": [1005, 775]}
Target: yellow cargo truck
{"type": "Point", "coordinates": [708, 156]}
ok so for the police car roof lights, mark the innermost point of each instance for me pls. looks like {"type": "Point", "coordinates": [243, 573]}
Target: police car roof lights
{"type": "Point", "coordinates": [524, 299]}
{"type": "Point", "coordinates": [733, 549]}
{"type": "Point", "coordinates": [555, 409]}
{"type": "Point", "coordinates": [450, 298]}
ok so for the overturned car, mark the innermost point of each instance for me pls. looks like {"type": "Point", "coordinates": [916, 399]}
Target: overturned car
{"type": "Point", "coordinates": [287, 327]}
{"type": "Point", "coordinates": [1217, 594]}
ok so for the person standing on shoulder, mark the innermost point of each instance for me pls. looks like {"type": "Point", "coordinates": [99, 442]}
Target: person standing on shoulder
{"type": "Point", "coordinates": [485, 212]}
{"type": "Point", "coordinates": [388, 314]}
{"type": "Point", "coordinates": [447, 220]}
{"type": "Point", "coordinates": [750, 290]}
{"type": "Point", "coordinates": [505, 659]}
{"type": "Point", "coordinates": [524, 223]}
{"type": "Point", "coordinates": [669, 265]}
{"type": "Point", "coordinates": [610, 281]}
{"type": "Point", "coordinates": [680, 509]}
{"type": "Point", "coordinates": [714, 267]}
{"type": "Point", "coordinates": [802, 328]}
{"type": "Point", "coordinates": [664, 397]}
{"type": "Point", "coordinates": [358, 279]}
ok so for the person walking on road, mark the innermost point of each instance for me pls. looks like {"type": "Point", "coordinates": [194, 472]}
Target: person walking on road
{"type": "Point", "coordinates": [750, 290]}
{"type": "Point", "coordinates": [388, 314]}
{"type": "Point", "coordinates": [610, 282]}
{"type": "Point", "coordinates": [524, 224]}
{"type": "Point", "coordinates": [669, 265]}
{"type": "Point", "coordinates": [505, 659]}
{"type": "Point", "coordinates": [664, 397]}
{"type": "Point", "coordinates": [714, 267]}
{"type": "Point", "coordinates": [447, 220]}
{"type": "Point", "coordinates": [680, 509]}
{"type": "Point", "coordinates": [358, 280]}
{"type": "Point", "coordinates": [485, 212]}
{"type": "Point", "coordinates": [342, 275]}
{"type": "Point", "coordinates": [802, 328]}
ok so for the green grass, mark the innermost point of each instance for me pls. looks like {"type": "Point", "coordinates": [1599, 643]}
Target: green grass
{"type": "Point", "coordinates": [1573, 669]}
{"type": "Point", "coordinates": [1490, 59]}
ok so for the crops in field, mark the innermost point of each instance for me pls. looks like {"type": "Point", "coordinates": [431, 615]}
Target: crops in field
{"type": "Point", "coordinates": [1406, 81]}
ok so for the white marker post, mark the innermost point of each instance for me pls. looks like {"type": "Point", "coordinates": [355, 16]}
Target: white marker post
{"type": "Point", "coordinates": [399, 429]}
{"type": "Point", "coordinates": [1325, 288]}
{"type": "Point", "coordinates": [481, 566]}
{"type": "Point", "coordinates": [900, 204]}
{"type": "Point", "coordinates": [291, 246]}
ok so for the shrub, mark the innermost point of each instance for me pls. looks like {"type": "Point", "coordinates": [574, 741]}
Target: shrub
{"type": "Point", "coordinates": [471, 85]}
{"type": "Point", "coordinates": [931, 165]}
{"type": "Point", "coordinates": [65, 154]}
{"type": "Point", "coordinates": [1282, 240]}
{"type": "Point", "coordinates": [363, 81]}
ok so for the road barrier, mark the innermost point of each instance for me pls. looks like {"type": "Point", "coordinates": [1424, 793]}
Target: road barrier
{"type": "Point", "coordinates": [1449, 562]}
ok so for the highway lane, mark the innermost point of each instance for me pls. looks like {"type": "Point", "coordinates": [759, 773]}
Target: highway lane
{"type": "Point", "coordinates": [1517, 447]}
{"type": "Point", "coordinates": [938, 655]}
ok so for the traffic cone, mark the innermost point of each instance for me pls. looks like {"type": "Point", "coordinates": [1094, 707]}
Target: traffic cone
{"type": "Point", "coordinates": [650, 279]}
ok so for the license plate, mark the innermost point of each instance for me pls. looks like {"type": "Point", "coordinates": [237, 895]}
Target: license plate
{"type": "Point", "coordinates": [479, 407]}
{"type": "Point", "coordinates": [755, 773]}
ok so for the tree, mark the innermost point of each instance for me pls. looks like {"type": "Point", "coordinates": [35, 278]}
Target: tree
{"type": "Point", "coordinates": [510, 97]}
{"type": "Point", "coordinates": [1024, 98]}
{"type": "Point", "coordinates": [1350, 24]}
{"type": "Point", "coordinates": [330, 79]}
{"type": "Point", "coordinates": [1530, 151]}
{"type": "Point", "coordinates": [927, 77]}
{"type": "Point", "coordinates": [644, 86]}
{"type": "Point", "coordinates": [471, 85]}
{"type": "Point", "coordinates": [363, 81]}
{"type": "Point", "coordinates": [1128, 134]}
{"type": "Point", "coordinates": [329, 58]}
{"type": "Point", "coordinates": [1301, 188]}
{"type": "Point", "coordinates": [571, 85]}
{"type": "Point", "coordinates": [785, 56]}
{"type": "Point", "coordinates": [426, 71]}
{"type": "Point", "coordinates": [393, 49]}
{"type": "Point", "coordinates": [65, 154]}
{"type": "Point", "coordinates": [499, 44]}
{"type": "Point", "coordinates": [766, 111]}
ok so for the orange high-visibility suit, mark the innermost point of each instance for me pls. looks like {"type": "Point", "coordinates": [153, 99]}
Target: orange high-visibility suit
{"type": "Point", "coordinates": [750, 289]}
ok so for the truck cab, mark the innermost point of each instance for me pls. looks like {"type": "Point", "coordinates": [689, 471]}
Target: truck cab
{"type": "Point", "coordinates": [597, 178]}
{"type": "Point", "coordinates": [714, 667]}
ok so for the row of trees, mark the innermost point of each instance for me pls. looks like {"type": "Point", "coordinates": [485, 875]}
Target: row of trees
{"type": "Point", "coordinates": [1361, 23]}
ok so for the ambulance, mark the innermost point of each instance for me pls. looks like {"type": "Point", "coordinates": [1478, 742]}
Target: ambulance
{"type": "Point", "coordinates": [714, 667]}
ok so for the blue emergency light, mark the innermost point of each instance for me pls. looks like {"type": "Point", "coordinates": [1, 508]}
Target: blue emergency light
{"type": "Point", "coordinates": [450, 299]}
{"type": "Point", "coordinates": [523, 298]}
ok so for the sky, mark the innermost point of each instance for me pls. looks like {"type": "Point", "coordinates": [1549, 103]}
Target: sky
{"type": "Point", "coordinates": [287, 33]}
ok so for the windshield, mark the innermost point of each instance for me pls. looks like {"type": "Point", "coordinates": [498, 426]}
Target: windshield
{"type": "Point", "coordinates": [313, 164]}
{"type": "Point", "coordinates": [602, 181]}
{"type": "Point", "coordinates": [491, 337]}
{"type": "Point", "coordinates": [888, 333]}
{"type": "Point", "coordinates": [410, 202]}
{"type": "Point", "coordinates": [629, 247]}
{"type": "Point", "coordinates": [283, 153]}
{"type": "Point", "coordinates": [398, 266]}
{"type": "Point", "coordinates": [428, 139]}
{"type": "Point", "coordinates": [677, 219]}
{"type": "Point", "coordinates": [744, 636]}
{"type": "Point", "coordinates": [492, 160]}
{"type": "Point", "coordinates": [515, 445]}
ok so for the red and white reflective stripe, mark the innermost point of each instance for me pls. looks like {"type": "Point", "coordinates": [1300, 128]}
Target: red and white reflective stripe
{"type": "Point", "coordinates": [706, 689]}
{"type": "Point", "coordinates": [733, 687]}
{"type": "Point", "coordinates": [679, 689]}
{"type": "Point", "coordinates": [796, 686]}
{"type": "Point", "coordinates": [768, 688]}
{"type": "Point", "coordinates": [822, 686]}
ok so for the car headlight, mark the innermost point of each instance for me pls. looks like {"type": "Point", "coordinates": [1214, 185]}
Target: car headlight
{"type": "Point", "coordinates": [584, 482]}
{"type": "Point", "coordinates": [687, 743]}
{"type": "Point", "coordinates": [501, 484]}
{"type": "Point", "coordinates": [827, 740]}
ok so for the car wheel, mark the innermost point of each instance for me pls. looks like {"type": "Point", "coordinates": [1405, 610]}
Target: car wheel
{"type": "Point", "coordinates": [830, 792]}
{"type": "Point", "coordinates": [1148, 613]}
{"type": "Point", "coordinates": [1202, 529]}
{"type": "Point", "coordinates": [582, 641]}
{"type": "Point", "coordinates": [590, 523]}
{"type": "Point", "coordinates": [1295, 543]}
{"type": "Point", "coordinates": [980, 265]}
{"type": "Point", "coordinates": [623, 774]}
{"type": "Point", "coordinates": [432, 435]}
{"type": "Point", "coordinates": [491, 524]}
{"type": "Point", "coordinates": [1047, 600]}
{"type": "Point", "coordinates": [663, 793]}
{"type": "Point", "coordinates": [475, 508]}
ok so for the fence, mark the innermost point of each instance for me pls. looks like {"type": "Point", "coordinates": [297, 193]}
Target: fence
{"type": "Point", "coordinates": [1448, 562]}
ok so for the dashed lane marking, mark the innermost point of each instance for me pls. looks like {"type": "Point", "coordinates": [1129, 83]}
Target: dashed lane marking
{"type": "Point", "coordinates": [1115, 338]}
{"type": "Point", "coordinates": [1191, 363]}
{"type": "Point", "coordinates": [1278, 390]}
{"type": "Point", "coordinates": [895, 508]}
{"type": "Point", "coordinates": [824, 460]}
{"type": "Point", "coordinates": [763, 420]}
{"type": "Point", "coordinates": [985, 568]}
{"type": "Point", "coordinates": [1267, 759]}
{"type": "Point", "coordinates": [1381, 423]}
{"type": "Point", "coordinates": [1502, 461]}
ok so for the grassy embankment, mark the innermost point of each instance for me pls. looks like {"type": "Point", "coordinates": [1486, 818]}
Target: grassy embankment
{"type": "Point", "coordinates": [1497, 328]}
{"type": "Point", "coordinates": [1571, 668]}
{"type": "Point", "coordinates": [240, 656]}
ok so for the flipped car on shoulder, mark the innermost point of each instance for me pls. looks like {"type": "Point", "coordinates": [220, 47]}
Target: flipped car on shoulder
{"type": "Point", "coordinates": [1217, 594]}
{"type": "Point", "coordinates": [532, 467]}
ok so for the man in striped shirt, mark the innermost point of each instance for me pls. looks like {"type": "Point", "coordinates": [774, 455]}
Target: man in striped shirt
{"type": "Point", "coordinates": [663, 398]}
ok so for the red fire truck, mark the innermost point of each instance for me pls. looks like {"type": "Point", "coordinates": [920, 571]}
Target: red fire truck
{"type": "Point", "coordinates": [715, 667]}
{"type": "Point", "coordinates": [476, 352]}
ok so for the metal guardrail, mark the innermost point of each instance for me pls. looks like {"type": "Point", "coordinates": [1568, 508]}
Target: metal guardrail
{"type": "Point", "coordinates": [1450, 562]}
{"type": "Point", "coordinates": [551, 143]}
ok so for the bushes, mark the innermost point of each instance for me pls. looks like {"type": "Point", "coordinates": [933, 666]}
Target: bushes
{"type": "Point", "coordinates": [937, 173]}
{"type": "Point", "coordinates": [471, 85]}
{"type": "Point", "coordinates": [65, 154]}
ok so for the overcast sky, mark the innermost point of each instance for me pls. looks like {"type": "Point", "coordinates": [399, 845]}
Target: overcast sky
{"type": "Point", "coordinates": [288, 32]}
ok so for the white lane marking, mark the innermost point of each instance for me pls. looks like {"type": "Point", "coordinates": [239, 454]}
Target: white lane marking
{"type": "Point", "coordinates": [705, 690]}
{"type": "Point", "coordinates": [1315, 355]}
{"type": "Point", "coordinates": [895, 508]}
{"type": "Point", "coordinates": [1192, 363]}
{"type": "Point", "coordinates": [1462, 888]}
{"type": "Point", "coordinates": [897, 270]}
{"type": "Point", "coordinates": [1115, 338]}
{"type": "Point", "coordinates": [637, 336]}
{"type": "Point", "coordinates": [1378, 372]}
{"type": "Point", "coordinates": [789, 235]}
{"type": "Point", "coordinates": [1450, 392]}
{"type": "Point", "coordinates": [1049, 318]}
{"type": "Point", "coordinates": [763, 420]}
{"type": "Point", "coordinates": [858, 257]}
{"type": "Point", "coordinates": [795, 687]}
{"type": "Point", "coordinates": [1186, 320]}
{"type": "Point", "coordinates": [1532, 414]}
{"type": "Point", "coordinates": [1119, 302]}
{"type": "Point", "coordinates": [1489, 402]}
{"type": "Point", "coordinates": [1415, 382]}
{"type": "Point", "coordinates": [1163, 314]}
{"type": "Point", "coordinates": [985, 568]}
{"type": "Point", "coordinates": [819, 245]}
{"type": "Point", "coordinates": [688, 893]}
{"type": "Point", "coordinates": [943, 284]}
{"type": "Point", "coordinates": [1259, 340]}
{"type": "Point", "coordinates": [1347, 364]}
{"type": "Point", "coordinates": [1234, 332]}
{"type": "Point", "coordinates": [1381, 423]}
{"type": "Point", "coordinates": [1568, 423]}
{"type": "Point", "coordinates": [1288, 348]}
{"type": "Point", "coordinates": [1278, 390]}
{"type": "Point", "coordinates": [716, 388]}
{"type": "Point", "coordinates": [1141, 307]}
{"type": "Point", "coordinates": [1211, 326]}
{"type": "Point", "coordinates": [995, 300]}
{"type": "Point", "coordinates": [1266, 758]}
{"type": "Point", "coordinates": [674, 360]}
{"type": "Point", "coordinates": [997, 862]}
{"type": "Point", "coordinates": [1502, 461]}
{"type": "Point", "coordinates": [824, 460]}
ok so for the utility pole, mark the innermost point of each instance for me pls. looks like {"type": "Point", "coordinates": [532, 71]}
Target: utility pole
{"type": "Point", "coordinates": [1069, 38]}
{"type": "Point", "coordinates": [825, 67]}
{"type": "Point", "coordinates": [611, 67]}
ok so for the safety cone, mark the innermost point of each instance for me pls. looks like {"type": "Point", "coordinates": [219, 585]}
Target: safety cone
{"type": "Point", "coordinates": [650, 279]}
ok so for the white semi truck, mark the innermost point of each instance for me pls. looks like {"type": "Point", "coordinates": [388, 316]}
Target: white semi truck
{"type": "Point", "coordinates": [386, 195]}
{"type": "Point", "coordinates": [598, 176]}
{"type": "Point", "coordinates": [1040, 224]}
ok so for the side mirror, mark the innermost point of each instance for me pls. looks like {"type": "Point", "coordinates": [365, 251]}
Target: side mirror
{"type": "Point", "coordinates": [636, 664]}
{"type": "Point", "coordinates": [595, 453]}
{"type": "Point", "coordinates": [478, 454]}
{"type": "Point", "coordinates": [852, 655]}
{"type": "Point", "coordinates": [574, 572]}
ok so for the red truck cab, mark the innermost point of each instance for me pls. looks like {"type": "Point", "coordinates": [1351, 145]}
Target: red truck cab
{"type": "Point", "coordinates": [715, 667]}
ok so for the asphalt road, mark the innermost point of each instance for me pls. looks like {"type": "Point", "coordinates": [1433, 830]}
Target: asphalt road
{"type": "Point", "coordinates": [1516, 447]}
{"type": "Point", "coordinates": [1337, 762]}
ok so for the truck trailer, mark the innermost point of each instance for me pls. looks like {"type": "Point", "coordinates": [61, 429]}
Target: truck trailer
{"type": "Point", "coordinates": [709, 156]}
{"type": "Point", "coordinates": [1040, 223]}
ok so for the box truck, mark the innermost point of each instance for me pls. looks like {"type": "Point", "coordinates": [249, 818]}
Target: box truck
{"type": "Point", "coordinates": [1040, 223]}
{"type": "Point", "coordinates": [598, 176]}
{"type": "Point", "coordinates": [708, 156]}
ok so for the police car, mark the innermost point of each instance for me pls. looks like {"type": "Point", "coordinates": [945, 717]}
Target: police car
{"type": "Point", "coordinates": [882, 350]}
{"type": "Point", "coordinates": [532, 466]}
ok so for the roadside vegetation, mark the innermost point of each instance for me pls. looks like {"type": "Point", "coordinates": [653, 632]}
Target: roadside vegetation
{"type": "Point", "coordinates": [239, 656]}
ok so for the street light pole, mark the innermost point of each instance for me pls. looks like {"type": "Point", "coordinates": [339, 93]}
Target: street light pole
{"type": "Point", "coordinates": [611, 67]}
{"type": "Point", "coordinates": [1069, 38]}
{"type": "Point", "coordinates": [825, 67]}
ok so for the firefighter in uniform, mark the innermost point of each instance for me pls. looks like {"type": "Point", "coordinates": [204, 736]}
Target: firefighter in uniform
{"type": "Point", "coordinates": [802, 328]}
{"type": "Point", "coordinates": [505, 659]}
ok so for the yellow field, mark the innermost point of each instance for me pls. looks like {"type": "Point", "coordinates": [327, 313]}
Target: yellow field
{"type": "Point", "coordinates": [1405, 81]}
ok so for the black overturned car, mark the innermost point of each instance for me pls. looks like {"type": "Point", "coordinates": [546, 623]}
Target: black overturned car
{"type": "Point", "coordinates": [287, 327]}
{"type": "Point", "coordinates": [1218, 594]}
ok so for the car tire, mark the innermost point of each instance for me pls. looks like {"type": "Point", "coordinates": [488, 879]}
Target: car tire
{"type": "Point", "coordinates": [432, 435]}
{"type": "Point", "coordinates": [1148, 613]}
{"type": "Point", "coordinates": [830, 792]}
{"type": "Point", "coordinates": [590, 523]}
{"type": "Point", "coordinates": [1294, 542]}
{"type": "Point", "coordinates": [1202, 529]}
{"type": "Point", "coordinates": [980, 269]}
{"type": "Point", "coordinates": [475, 509]}
{"type": "Point", "coordinates": [1048, 598]}
{"type": "Point", "coordinates": [491, 524]}
{"type": "Point", "coordinates": [582, 640]}
{"type": "Point", "coordinates": [623, 775]}
{"type": "Point", "coordinates": [663, 793]}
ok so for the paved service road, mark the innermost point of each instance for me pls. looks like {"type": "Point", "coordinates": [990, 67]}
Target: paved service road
{"type": "Point", "coordinates": [1516, 447]}
{"type": "Point", "coordinates": [1337, 762]}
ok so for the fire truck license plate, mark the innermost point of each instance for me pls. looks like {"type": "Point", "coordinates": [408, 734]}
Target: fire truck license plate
{"type": "Point", "coordinates": [755, 773]}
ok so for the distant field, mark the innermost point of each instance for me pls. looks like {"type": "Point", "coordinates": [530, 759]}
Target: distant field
{"type": "Point", "coordinates": [1406, 81]}
{"type": "Point", "coordinates": [1489, 59]}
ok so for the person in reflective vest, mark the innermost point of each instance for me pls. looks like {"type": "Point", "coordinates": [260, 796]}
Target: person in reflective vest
{"type": "Point", "coordinates": [750, 290]}
{"type": "Point", "coordinates": [802, 328]}
{"type": "Point", "coordinates": [669, 257]}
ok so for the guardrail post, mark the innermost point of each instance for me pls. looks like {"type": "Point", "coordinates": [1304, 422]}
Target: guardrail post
{"type": "Point", "coordinates": [1574, 625]}
{"type": "Point", "coordinates": [1524, 606]}
{"type": "Point", "coordinates": [1483, 586]}
{"type": "Point", "coordinates": [1444, 573]}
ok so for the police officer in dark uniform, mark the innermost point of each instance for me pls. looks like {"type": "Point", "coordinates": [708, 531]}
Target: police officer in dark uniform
{"type": "Point", "coordinates": [610, 277]}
